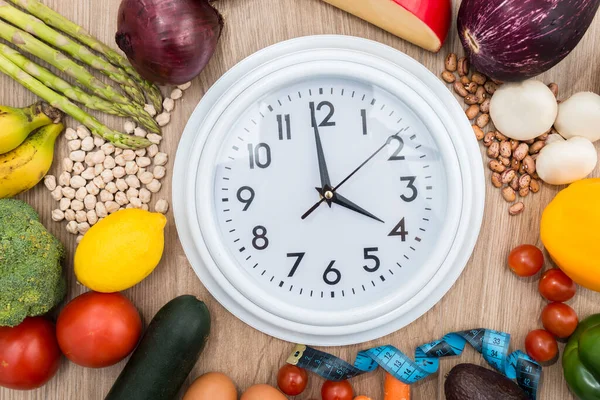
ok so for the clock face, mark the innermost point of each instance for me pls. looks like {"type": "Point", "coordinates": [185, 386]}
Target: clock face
{"type": "Point", "coordinates": [330, 193]}
{"type": "Point", "coordinates": [323, 190]}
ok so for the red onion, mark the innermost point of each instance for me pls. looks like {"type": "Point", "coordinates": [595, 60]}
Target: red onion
{"type": "Point", "coordinates": [168, 41]}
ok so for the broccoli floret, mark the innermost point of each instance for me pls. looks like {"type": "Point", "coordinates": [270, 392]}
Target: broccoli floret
{"type": "Point", "coordinates": [31, 278]}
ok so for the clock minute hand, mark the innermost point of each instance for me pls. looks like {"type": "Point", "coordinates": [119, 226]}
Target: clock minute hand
{"type": "Point", "coordinates": [323, 172]}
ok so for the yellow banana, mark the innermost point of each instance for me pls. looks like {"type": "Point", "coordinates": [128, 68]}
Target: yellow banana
{"type": "Point", "coordinates": [22, 168]}
{"type": "Point", "coordinates": [17, 123]}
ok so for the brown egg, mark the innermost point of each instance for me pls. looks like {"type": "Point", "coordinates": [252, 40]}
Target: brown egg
{"type": "Point", "coordinates": [212, 386]}
{"type": "Point", "coordinates": [262, 392]}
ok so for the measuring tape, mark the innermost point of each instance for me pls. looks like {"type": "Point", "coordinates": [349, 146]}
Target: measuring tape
{"type": "Point", "coordinates": [493, 345]}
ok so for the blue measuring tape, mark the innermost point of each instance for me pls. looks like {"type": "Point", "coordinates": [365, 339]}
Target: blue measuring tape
{"type": "Point", "coordinates": [492, 345]}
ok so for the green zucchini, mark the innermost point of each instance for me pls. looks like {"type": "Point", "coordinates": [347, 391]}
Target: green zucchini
{"type": "Point", "coordinates": [167, 352]}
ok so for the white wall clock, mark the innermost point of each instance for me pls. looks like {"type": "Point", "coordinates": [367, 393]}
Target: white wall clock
{"type": "Point", "coordinates": [328, 190]}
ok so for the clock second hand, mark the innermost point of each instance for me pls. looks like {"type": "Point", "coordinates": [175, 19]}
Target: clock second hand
{"type": "Point", "coordinates": [329, 194]}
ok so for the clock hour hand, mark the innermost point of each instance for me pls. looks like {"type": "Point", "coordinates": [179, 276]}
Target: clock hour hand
{"type": "Point", "coordinates": [323, 172]}
{"type": "Point", "coordinates": [344, 202]}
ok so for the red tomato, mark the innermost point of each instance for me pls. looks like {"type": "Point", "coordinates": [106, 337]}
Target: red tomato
{"type": "Point", "coordinates": [292, 380]}
{"type": "Point", "coordinates": [525, 260]}
{"type": "Point", "coordinates": [555, 285]}
{"type": "Point", "coordinates": [29, 353]}
{"type": "Point", "coordinates": [559, 319]}
{"type": "Point", "coordinates": [541, 345]}
{"type": "Point", "coordinates": [337, 390]}
{"type": "Point", "coordinates": [98, 329]}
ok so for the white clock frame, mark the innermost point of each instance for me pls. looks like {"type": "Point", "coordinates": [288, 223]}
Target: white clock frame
{"type": "Point", "coordinates": [284, 63]}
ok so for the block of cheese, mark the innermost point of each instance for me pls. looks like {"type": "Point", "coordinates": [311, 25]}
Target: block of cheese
{"type": "Point", "coordinates": [422, 22]}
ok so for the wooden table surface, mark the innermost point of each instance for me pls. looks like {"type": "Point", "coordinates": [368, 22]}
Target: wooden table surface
{"type": "Point", "coordinates": [486, 295]}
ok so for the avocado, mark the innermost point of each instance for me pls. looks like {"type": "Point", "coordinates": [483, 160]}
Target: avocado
{"type": "Point", "coordinates": [472, 382]}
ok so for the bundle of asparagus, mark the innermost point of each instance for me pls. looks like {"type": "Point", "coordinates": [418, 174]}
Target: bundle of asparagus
{"type": "Point", "coordinates": [31, 34]}
{"type": "Point", "coordinates": [54, 19]}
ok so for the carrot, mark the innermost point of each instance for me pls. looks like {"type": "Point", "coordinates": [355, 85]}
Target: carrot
{"type": "Point", "coordinates": [362, 398]}
{"type": "Point", "coordinates": [393, 389]}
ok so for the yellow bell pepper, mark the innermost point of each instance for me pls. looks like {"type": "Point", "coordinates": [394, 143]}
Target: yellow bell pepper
{"type": "Point", "coordinates": [570, 231]}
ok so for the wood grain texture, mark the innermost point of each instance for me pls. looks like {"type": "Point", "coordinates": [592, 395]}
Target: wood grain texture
{"type": "Point", "coordinates": [486, 295]}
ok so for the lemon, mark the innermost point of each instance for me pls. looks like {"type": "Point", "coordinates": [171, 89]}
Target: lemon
{"type": "Point", "coordinates": [121, 250]}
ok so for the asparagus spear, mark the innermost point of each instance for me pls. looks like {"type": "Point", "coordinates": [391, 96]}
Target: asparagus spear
{"type": "Point", "coordinates": [27, 42]}
{"type": "Point", "coordinates": [62, 103]}
{"type": "Point", "coordinates": [37, 28]}
{"type": "Point", "coordinates": [132, 89]}
{"type": "Point", "coordinates": [74, 93]}
{"type": "Point", "coordinates": [54, 19]}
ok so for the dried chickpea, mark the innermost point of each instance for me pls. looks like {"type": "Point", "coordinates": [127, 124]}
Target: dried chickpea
{"type": "Point", "coordinates": [154, 186]}
{"type": "Point", "coordinates": [50, 182]}
{"type": "Point", "coordinates": [78, 168]}
{"type": "Point", "coordinates": [64, 179]}
{"type": "Point", "coordinates": [150, 109]}
{"type": "Point", "coordinates": [81, 193]}
{"type": "Point", "coordinates": [80, 216]}
{"type": "Point", "coordinates": [129, 127]}
{"type": "Point", "coordinates": [89, 202]}
{"type": "Point", "coordinates": [161, 206]}
{"type": "Point", "coordinates": [77, 182]}
{"type": "Point", "coordinates": [101, 211]}
{"type": "Point", "coordinates": [67, 164]}
{"type": "Point", "coordinates": [122, 185]}
{"type": "Point", "coordinates": [159, 172]}
{"type": "Point", "coordinates": [132, 181]}
{"type": "Point", "coordinates": [69, 215]}
{"type": "Point", "coordinates": [83, 227]}
{"type": "Point", "coordinates": [57, 193]}
{"type": "Point", "coordinates": [92, 217]}
{"type": "Point", "coordinates": [64, 204]}
{"type": "Point", "coordinates": [68, 192]}
{"type": "Point", "coordinates": [70, 134]}
{"type": "Point", "coordinates": [87, 144]}
{"type": "Point", "coordinates": [176, 94]}
{"type": "Point", "coordinates": [83, 132]}
{"type": "Point", "coordinates": [58, 215]}
{"type": "Point", "coordinates": [72, 227]}
{"type": "Point", "coordinates": [77, 205]}
{"type": "Point", "coordinates": [154, 138]}
{"type": "Point", "coordinates": [145, 195]}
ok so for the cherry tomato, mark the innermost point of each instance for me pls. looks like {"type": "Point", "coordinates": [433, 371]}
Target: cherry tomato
{"type": "Point", "coordinates": [525, 260]}
{"type": "Point", "coordinates": [292, 380]}
{"type": "Point", "coordinates": [555, 285]}
{"type": "Point", "coordinates": [98, 329]}
{"type": "Point", "coordinates": [559, 319]}
{"type": "Point", "coordinates": [337, 390]}
{"type": "Point", "coordinates": [29, 353]}
{"type": "Point", "coordinates": [541, 345]}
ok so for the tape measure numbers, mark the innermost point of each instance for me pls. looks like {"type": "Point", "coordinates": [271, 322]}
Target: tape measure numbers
{"type": "Point", "coordinates": [492, 345]}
